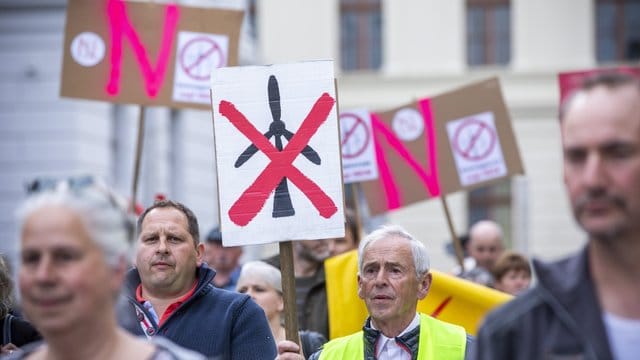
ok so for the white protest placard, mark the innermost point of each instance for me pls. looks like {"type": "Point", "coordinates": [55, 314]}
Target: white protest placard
{"type": "Point", "coordinates": [197, 54]}
{"type": "Point", "coordinates": [476, 148]}
{"type": "Point", "coordinates": [358, 152]}
{"type": "Point", "coordinates": [277, 153]}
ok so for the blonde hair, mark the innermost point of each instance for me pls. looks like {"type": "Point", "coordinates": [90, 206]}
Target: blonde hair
{"type": "Point", "coordinates": [6, 289]}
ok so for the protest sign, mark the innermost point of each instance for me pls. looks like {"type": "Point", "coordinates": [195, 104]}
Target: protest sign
{"type": "Point", "coordinates": [277, 153]}
{"type": "Point", "coordinates": [358, 154]}
{"type": "Point", "coordinates": [435, 146]}
{"type": "Point", "coordinates": [146, 53]}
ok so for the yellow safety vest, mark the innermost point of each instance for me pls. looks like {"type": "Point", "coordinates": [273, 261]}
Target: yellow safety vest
{"type": "Point", "coordinates": [438, 341]}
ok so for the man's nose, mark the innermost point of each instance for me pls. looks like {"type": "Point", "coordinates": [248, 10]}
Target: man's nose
{"type": "Point", "coordinates": [381, 278]}
{"type": "Point", "coordinates": [594, 175]}
{"type": "Point", "coordinates": [162, 245]}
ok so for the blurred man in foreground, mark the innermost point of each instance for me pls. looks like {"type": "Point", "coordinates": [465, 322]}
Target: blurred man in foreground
{"type": "Point", "coordinates": [586, 306]}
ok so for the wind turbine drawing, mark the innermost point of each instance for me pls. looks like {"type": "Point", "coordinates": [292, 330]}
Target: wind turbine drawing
{"type": "Point", "coordinates": [277, 129]}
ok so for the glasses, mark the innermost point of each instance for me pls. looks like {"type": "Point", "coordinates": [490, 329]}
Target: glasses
{"type": "Point", "coordinates": [47, 183]}
{"type": "Point", "coordinates": [76, 185]}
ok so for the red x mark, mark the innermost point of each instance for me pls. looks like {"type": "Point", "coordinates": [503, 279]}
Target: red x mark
{"type": "Point", "coordinates": [254, 197]}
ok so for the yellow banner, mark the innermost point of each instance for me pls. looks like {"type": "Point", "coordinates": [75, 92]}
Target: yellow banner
{"type": "Point", "coordinates": [450, 299]}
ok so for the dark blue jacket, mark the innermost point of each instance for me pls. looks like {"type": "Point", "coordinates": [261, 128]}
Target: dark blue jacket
{"type": "Point", "coordinates": [215, 322]}
{"type": "Point", "coordinates": [560, 318]}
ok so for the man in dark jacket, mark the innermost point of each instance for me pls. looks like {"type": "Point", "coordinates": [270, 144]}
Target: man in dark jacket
{"type": "Point", "coordinates": [170, 292]}
{"type": "Point", "coordinates": [586, 306]}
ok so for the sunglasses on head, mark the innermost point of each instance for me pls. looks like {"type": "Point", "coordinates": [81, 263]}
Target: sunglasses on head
{"type": "Point", "coordinates": [77, 184]}
{"type": "Point", "coordinates": [49, 183]}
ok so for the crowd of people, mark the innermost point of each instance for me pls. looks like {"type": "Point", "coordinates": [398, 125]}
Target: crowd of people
{"type": "Point", "coordinates": [95, 284]}
{"type": "Point", "coordinates": [487, 263]}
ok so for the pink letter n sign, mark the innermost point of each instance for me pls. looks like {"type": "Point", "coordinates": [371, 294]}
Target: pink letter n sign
{"type": "Point", "coordinates": [146, 53]}
{"type": "Point", "coordinates": [458, 140]}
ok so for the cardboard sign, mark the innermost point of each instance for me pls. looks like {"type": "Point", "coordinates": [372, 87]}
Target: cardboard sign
{"type": "Point", "coordinates": [277, 153]}
{"type": "Point", "coordinates": [455, 141]}
{"type": "Point", "coordinates": [146, 53]}
{"type": "Point", "coordinates": [358, 154]}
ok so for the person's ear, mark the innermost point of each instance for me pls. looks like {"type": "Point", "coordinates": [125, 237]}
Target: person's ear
{"type": "Point", "coordinates": [280, 304]}
{"type": "Point", "coordinates": [424, 284]}
{"type": "Point", "coordinates": [199, 253]}
{"type": "Point", "coordinates": [360, 285]}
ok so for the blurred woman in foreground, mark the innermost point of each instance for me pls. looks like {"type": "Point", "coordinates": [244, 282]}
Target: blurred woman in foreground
{"type": "Point", "coordinates": [263, 283]}
{"type": "Point", "coordinates": [74, 242]}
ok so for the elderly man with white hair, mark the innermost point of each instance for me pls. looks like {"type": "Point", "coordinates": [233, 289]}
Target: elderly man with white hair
{"type": "Point", "coordinates": [393, 275]}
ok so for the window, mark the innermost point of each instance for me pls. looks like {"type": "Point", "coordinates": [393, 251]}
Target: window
{"type": "Point", "coordinates": [618, 30]}
{"type": "Point", "coordinates": [488, 32]}
{"type": "Point", "coordinates": [360, 34]}
{"type": "Point", "coordinates": [492, 202]}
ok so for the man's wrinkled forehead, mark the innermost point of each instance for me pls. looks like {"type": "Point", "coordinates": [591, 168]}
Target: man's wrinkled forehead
{"type": "Point", "coordinates": [578, 100]}
{"type": "Point", "coordinates": [164, 219]}
{"type": "Point", "coordinates": [397, 243]}
{"type": "Point", "coordinates": [385, 262]}
{"type": "Point", "coordinates": [601, 98]}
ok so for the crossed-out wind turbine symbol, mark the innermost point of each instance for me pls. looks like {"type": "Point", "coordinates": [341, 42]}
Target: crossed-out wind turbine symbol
{"type": "Point", "coordinates": [277, 129]}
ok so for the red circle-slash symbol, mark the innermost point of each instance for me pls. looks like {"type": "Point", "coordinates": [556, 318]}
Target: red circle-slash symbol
{"type": "Point", "coordinates": [355, 135]}
{"type": "Point", "coordinates": [255, 196]}
{"type": "Point", "coordinates": [474, 140]}
{"type": "Point", "coordinates": [197, 57]}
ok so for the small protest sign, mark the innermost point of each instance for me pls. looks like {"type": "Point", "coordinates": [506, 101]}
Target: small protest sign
{"type": "Point", "coordinates": [358, 154]}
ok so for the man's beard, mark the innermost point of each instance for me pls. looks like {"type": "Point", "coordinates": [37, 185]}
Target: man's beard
{"type": "Point", "coordinates": [612, 232]}
{"type": "Point", "coordinates": [313, 256]}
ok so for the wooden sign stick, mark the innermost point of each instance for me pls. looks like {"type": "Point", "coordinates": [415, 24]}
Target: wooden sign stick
{"type": "Point", "coordinates": [456, 240]}
{"type": "Point", "coordinates": [136, 161]}
{"type": "Point", "coordinates": [289, 291]}
{"type": "Point", "coordinates": [355, 197]}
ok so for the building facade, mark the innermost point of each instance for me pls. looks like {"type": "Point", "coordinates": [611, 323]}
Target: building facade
{"type": "Point", "coordinates": [386, 52]}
